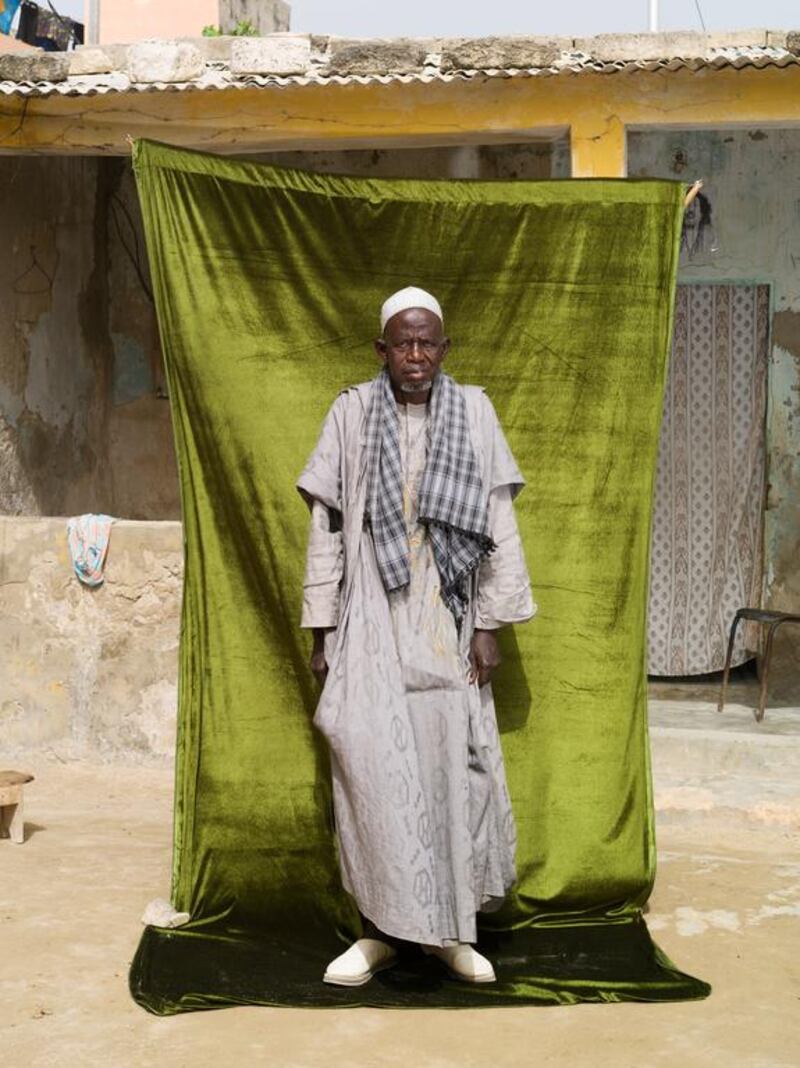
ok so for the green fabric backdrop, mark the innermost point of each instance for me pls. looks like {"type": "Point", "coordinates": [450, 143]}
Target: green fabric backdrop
{"type": "Point", "coordinates": [558, 297]}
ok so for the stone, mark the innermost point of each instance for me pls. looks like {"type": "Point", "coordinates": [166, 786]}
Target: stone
{"type": "Point", "coordinates": [280, 53]}
{"type": "Point", "coordinates": [117, 53]}
{"type": "Point", "coordinates": [214, 49]}
{"type": "Point", "coordinates": [319, 45]}
{"type": "Point", "coordinates": [400, 55]}
{"type": "Point", "coordinates": [630, 47]}
{"type": "Point", "coordinates": [34, 66]}
{"type": "Point", "coordinates": [164, 61]}
{"type": "Point", "coordinates": [793, 42]}
{"type": "Point", "coordinates": [738, 39]}
{"type": "Point", "coordinates": [500, 53]}
{"type": "Point", "coordinates": [776, 38]}
{"type": "Point", "coordinates": [88, 61]}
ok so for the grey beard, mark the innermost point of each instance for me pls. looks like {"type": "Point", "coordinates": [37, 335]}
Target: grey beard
{"type": "Point", "coordinates": [415, 387]}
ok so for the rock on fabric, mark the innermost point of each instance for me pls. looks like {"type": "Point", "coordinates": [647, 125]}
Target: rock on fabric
{"type": "Point", "coordinates": [558, 297]}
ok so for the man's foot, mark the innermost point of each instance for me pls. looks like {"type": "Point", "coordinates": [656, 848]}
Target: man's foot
{"type": "Point", "coordinates": [360, 962]}
{"type": "Point", "coordinates": [463, 962]}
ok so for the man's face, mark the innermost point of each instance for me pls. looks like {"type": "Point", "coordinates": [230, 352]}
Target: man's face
{"type": "Point", "coordinates": [413, 347]}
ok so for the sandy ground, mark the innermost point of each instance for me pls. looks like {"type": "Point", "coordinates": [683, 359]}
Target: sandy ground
{"type": "Point", "coordinates": [726, 908]}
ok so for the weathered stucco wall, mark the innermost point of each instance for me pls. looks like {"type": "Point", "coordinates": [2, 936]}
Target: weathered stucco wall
{"type": "Point", "coordinates": [50, 405]}
{"type": "Point", "coordinates": [751, 177]}
{"type": "Point", "coordinates": [82, 426]}
{"type": "Point", "coordinates": [89, 672]}
{"type": "Point", "coordinates": [533, 159]}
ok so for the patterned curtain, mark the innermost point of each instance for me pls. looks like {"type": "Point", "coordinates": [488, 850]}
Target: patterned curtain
{"type": "Point", "coordinates": [708, 508]}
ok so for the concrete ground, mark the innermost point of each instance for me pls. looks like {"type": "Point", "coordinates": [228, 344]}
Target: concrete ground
{"type": "Point", "coordinates": [725, 907]}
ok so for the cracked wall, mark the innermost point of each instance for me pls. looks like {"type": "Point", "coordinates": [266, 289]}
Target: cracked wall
{"type": "Point", "coordinates": [48, 457]}
{"type": "Point", "coordinates": [523, 160]}
{"type": "Point", "coordinates": [83, 423]}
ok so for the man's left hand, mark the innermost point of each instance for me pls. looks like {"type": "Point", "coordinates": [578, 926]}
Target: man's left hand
{"type": "Point", "coordinates": [484, 656]}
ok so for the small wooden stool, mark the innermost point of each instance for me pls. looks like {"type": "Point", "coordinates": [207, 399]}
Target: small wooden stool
{"type": "Point", "coordinates": [12, 823]}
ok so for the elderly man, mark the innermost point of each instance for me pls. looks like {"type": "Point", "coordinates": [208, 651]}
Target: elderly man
{"type": "Point", "coordinates": [414, 560]}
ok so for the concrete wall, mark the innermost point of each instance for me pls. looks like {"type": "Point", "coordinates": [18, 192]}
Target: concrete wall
{"type": "Point", "coordinates": [534, 159]}
{"type": "Point", "coordinates": [89, 672]}
{"type": "Point", "coordinates": [51, 361]}
{"type": "Point", "coordinates": [120, 20]}
{"type": "Point", "coordinates": [84, 425]}
{"type": "Point", "coordinates": [751, 180]}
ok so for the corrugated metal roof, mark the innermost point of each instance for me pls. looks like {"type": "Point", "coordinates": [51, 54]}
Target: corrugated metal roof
{"type": "Point", "coordinates": [217, 76]}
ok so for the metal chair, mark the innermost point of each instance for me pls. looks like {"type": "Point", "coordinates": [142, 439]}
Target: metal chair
{"type": "Point", "coordinates": [770, 619]}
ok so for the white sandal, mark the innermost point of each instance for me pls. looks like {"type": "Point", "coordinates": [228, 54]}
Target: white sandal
{"type": "Point", "coordinates": [463, 962]}
{"type": "Point", "coordinates": [360, 962]}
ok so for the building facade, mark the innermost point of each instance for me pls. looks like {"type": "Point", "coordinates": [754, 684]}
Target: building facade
{"type": "Point", "coordinates": [84, 419]}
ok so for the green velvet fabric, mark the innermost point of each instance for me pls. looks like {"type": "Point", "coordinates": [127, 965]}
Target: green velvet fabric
{"type": "Point", "coordinates": [558, 298]}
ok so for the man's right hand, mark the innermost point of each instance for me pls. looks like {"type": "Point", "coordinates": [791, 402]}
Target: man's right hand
{"type": "Point", "coordinates": [318, 666]}
{"type": "Point", "coordinates": [317, 663]}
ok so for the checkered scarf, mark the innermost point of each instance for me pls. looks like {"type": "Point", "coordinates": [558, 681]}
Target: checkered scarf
{"type": "Point", "coordinates": [449, 498]}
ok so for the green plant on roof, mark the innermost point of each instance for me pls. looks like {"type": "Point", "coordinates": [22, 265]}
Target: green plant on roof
{"type": "Point", "coordinates": [243, 28]}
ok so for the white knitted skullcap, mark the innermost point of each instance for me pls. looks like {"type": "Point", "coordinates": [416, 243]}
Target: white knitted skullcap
{"type": "Point", "coordinates": [410, 297]}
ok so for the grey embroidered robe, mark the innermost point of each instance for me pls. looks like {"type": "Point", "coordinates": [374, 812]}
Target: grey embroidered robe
{"type": "Point", "coordinates": [425, 830]}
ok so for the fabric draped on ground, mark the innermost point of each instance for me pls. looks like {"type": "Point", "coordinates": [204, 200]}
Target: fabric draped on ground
{"type": "Point", "coordinates": [558, 298]}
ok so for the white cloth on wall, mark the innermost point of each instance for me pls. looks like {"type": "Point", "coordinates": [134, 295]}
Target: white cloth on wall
{"type": "Point", "coordinates": [87, 538]}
